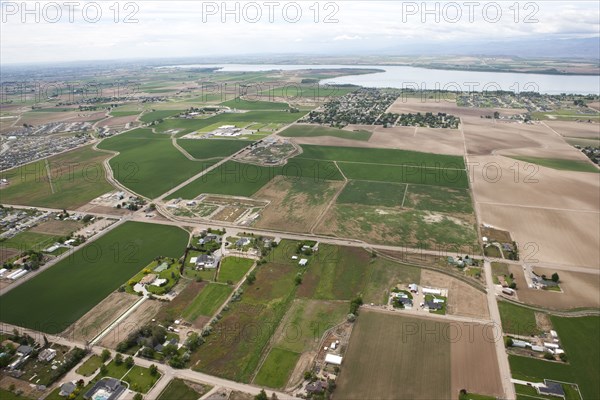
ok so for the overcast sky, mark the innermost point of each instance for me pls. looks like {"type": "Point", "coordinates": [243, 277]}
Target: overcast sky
{"type": "Point", "coordinates": [196, 29]}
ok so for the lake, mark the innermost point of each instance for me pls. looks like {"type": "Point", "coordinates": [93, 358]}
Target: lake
{"type": "Point", "coordinates": [431, 79]}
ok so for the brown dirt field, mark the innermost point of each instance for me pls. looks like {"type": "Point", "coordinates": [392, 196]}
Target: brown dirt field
{"type": "Point", "coordinates": [290, 208]}
{"type": "Point", "coordinates": [463, 299]}
{"type": "Point", "coordinates": [549, 236]}
{"type": "Point", "coordinates": [40, 118]}
{"type": "Point", "coordinates": [497, 179]}
{"type": "Point", "coordinates": [29, 391]}
{"type": "Point", "coordinates": [474, 361]}
{"type": "Point", "coordinates": [142, 315]}
{"type": "Point", "coordinates": [99, 317]}
{"type": "Point", "coordinates": [103, 209]}
{"type": "Point", "coordinates": [304, 363]}
{"type": "Point", "coordinates": [53, 227]}
{"type": "Point", "coordinates": [6, 253]}
{"type": "Point", "coordinates": [542, 320]}
{"type": "Point", "coordinates": [414, 105]}
{"type": "Point", "coordinates": [229, 214]}
{"type": "Point", "coordinates": [570, 153]}
{"type": "Point", "coordinates": [116, 121]}
{"type": "Point", "coordinates": [200, 322]}
{"type": "Point", "coordinates": [579, 289]}
{"type": "Point", "coordinates": [575, 129]}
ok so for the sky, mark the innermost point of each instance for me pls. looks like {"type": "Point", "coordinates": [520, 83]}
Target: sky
{"type": "Point", "coordinates": [67, 30]}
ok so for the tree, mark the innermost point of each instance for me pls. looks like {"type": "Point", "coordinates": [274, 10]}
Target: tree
{"type": "Point", "coordinates": [262, 395]}
{"type": "Point", "coordinates": [298, 279]}
{"type": "Point", "coordinates": [105, 355]}
{"type": "Point", "coordinates": [251, 278]}
{"type": "Point", "coordinates": [351, 317]}
{"type": "Point", "coordinates": [153, 370]}
{"type": "Point", "coordinates": [548, 356]}
{"type": "Point", "coordinates": [138, 396]}
{"type": "Point", "coordinates": [355, 305]}
{"type": "Point", "coordinates": [513, 285]}
{"type": "Point", "coordinates": [563, 357]}
{"type": "Point", "coordinates": [129, 362]}
{"type": "Point", "coordinates": [555, 277]}
{"type": "Point", "coordinates": [118, 359]}
{"type": "Point", "coordinates": [103, 370]}
{"type": "Point", "coordinates": [508, 342]}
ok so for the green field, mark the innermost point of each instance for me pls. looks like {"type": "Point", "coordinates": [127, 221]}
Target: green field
{"type": "Point", "coordinates": [233, 269]}
{"type": "Point", "coordinates": [294, 92]}
{"type": "Point", "coordinates": [59, 296]}
{"type": "Point", "coordinates": [159, 114]}
{"type": "Point", "coordinates": [140, 379]}
{"type": "Point", "coordinates": [557, 163]}
{"type": "Point", "coordinates": [90, 366]}
{"type": "Point", "coordinates": [6, 395]}
{"type": "Point", "coordinates": [439, 199]}
{"type": "Point", "coordinates": [178, 389]}
{"type": "Point", "coordinates": [276, 369]}
{"type": "Point", "coordinates": [124, 113]}
{"type": "Point", "coordinates": [77, 177]}
{"type": "Point", "coordinates": [517, 320]}
{"type": "Point", "coordinates": [148, 163]}
{"type": "Point", "coordinates": [29, 241]}
{"type": "Point", "coordinates": [237, 179]}
{"type": "Point", "coordinates": [255, 105]}
{"type": "Point", "coordinates": [207, 302]}
{"type": "Point", "coordinates": [372, 193]}
{"type": "Point", "coordinates": [210, 148]}
{"type": "Point", "coordinates": [318, 130]}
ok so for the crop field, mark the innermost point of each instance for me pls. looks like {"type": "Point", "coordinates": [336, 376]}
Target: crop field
{"type": "Point", "coordinates": [233, 269]}
{"type": "Point", "coordinates": [207, 302]}
{"type": "Point", "coordinates": [439, 199]}
{"type": "Point", "coordinates": [396, 365]}
{"type": "Point", "coordinates": [148, 163]}
{"type": "Point", "coordinates": [295, 203]}
{"type": "Point", "coordinates": [211, 148]}
{"type": "Point", "coordinates": [372, 193]}
{"type": "Point", "coordinates": [238, 179]}
{"type": "Point", "coordinates": [158, 114]}
{"type": "Point", "coordinates": [124, 113]}
{"type": "Point", "coordinates": [277, 368]}
{"type": "Point", "coordinates": [236, 346]}
{"type": "Point", "coordinates": [562, 164]}
{"type": "Point", "coordinates": [75, 178]}
{"type": "Point", "coordinates": [583, 352]}
{"type": "Point", "coordinates": [300, 130]}
{"type": "Point", "coordinates": [517, 320]}
{"type": "Point", "coordinates": [255, 105]}
{"type": "Point", "coordinates": [88, 276]}
{"type": "Point", "coordinates": [29, 241]}
{"type": "Point", "coordinates": [316, 92]}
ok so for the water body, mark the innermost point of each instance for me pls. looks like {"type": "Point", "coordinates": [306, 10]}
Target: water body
{"type": "Point", "coordinates": [431, 79]}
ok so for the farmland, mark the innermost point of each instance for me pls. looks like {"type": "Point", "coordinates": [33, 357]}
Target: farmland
{"type": "Point", "coordinates": [583, 351]}
{"type": "Point", "coordinates": [372, 193]}
{"type": "Point", "coordinates": [148, 163]}
{"type": "Point", "coordinates": [562, 164]}
{"type": "Point", "coordinates": [255, 105]}
{"type": "Point", "coordinates": [299, 130]}
{"type": "Point", "coordinates": [89, 275]}
{"type": "Point", "coordinates": [207, 302]}
{"type": "Point", "coordinates": [233, 269]}
{"type": "Point", "coordinates": [75, 178]}
{"type": "Point", "coordinates": [517, 320]}
{"type": "Point", "coordinates": [29, 240]}
{"type": "Point", "coordinates": [277, 367]}
{"type": "Point", "coordinates": [211, 148]}
{"type": "Point", "coordinates": [158, 114]}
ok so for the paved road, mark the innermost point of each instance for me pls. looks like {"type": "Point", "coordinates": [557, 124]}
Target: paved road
{"type": "Point", "coordinates": [505, 375]}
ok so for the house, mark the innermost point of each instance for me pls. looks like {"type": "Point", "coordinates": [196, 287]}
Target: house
{"type": "Point", "coordinates": [333, 359]}
{"type": "Point", "coordinates": [107, 389]}
{"type": "Point", "coordinates": [303, 262]}
{"type": "Point", "coordinates": [148, 279]}
{"type": "Point", "coordinates": [207, 261]}
{"type": "Point", "coordinates": [243, 242]}
{"type": "Point", "coordinates": [434, 306]}
{"type": "Point", "coordinates": [405, 301]}
{"type": "Point", "coordinates": [551, 388]}
{"type": "Point", "coordinates": [210, 238]}
{"type": "Point", "coordinates": [47, 355]}
{"type": "Point", "coordinates": [413, 288]}
{"type": "Point", "coordinates": [24, 350]}
{"type": "Point", "coordinates": [315, 387]}
{"type": "Point", "coordinates": [67, 389]}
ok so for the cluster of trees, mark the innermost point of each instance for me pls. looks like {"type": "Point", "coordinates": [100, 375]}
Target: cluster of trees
{"type": "Point", "coordinates": [71, 360]}
{"type": "Point", "coordinates": [430, 120]}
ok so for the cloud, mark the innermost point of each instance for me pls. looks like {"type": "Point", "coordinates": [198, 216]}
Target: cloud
{"type": "Point", "coordinates": [346, 37]}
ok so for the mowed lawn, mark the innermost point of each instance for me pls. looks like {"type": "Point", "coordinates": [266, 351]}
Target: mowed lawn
{"type": "Point", "coordinates": [391, 357]}
{"type": "Point", "coordinates": [210, 148]}
{"type": "Point", "coordinates": [179, 389]}
{"type": "Point", "coordinates": [59, 296]}
{"type": "Point", "coordinates": [148, 163]}
{"type": "Point", "coordinates": [77, 177]}
{"type": "Point", "coordinates": [208, 301]}
{"type": "Point", "coordinates": [580, 339]}
{"type": "Point", "coordinates": [276, 369]}
{"type": "Point", "coordinates": [233, 269]}
{"type": "Point", "coordinates": [318, 130]}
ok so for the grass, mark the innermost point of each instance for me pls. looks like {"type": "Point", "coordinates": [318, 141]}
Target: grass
{"type": "Point", "coordinates": [233, 269]}
{"type": "Point", "coordinates": [561, 164]}
{"type": "Point", "coordinates": [210, 148]}
{"type": "Point", "coordinates": [116, 371]}
{"type": "Point", "coordinates": [383, 275]}
{"type": "Point", "coordinates": [140, 379]}
{"type": "Point", "coordinates": [255, 105]}
{"type": "Point", "coordinates": [77, 177]}
{"type": "Point", "coordinates": [124, 113]}
{"type": "Point", "coordinates": [372, 194]}
{"type": "Point", "coordinates": [158, 114]}
{"type": "Point", "coordinates": [180, 390]}
{"type": "Point", "coordinates": [277, 368]}
{"type": "Point", "coordinates": [7, 395]}
{"type": "Point", "coordinates": [517, 320]}
{"type": "Point", "coordinates": [29, 240]}
{"type": "Point", "coordinates": [148, 163]}
{"type": "Point", "coordinates": [439, 199]}
{"type": "Point", "coordinates": [208, 301]}
{"type": "Point", "coordinates": [90, 366]}
{"type": "Point", "coordinates": [318, 131]}
{"type": "Point", "coordinates": [237, 179]}
{"type": "Point", "coordinates": [82, 280]}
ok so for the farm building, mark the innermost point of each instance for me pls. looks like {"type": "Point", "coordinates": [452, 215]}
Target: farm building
{"type": "Point", "coordinates": [303, 262]}
{"type": "Point", "coordinates": [521, 343]}
{"type": "Point", "coordinates": [435, 292]}
{"type": "Point", "coordinates": [333, 359]}
{"type": "Point", "coordinates": [539, 349]}
{"type": "Point", "coordinates": [551, 388]}
{"type": "Point", "coordinates": [413, 288]}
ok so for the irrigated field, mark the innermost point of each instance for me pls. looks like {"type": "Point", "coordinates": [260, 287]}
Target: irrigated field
{"type": "Point", "coordinates": [148, 163]}
{"type": "Point", "coordinates": [81, 281]}
{"type": "Point", "coordinates": [202, 149]}
{"type": "Point", "coordinates": [233, 269]}
{"type": "Point", "coordinates": [207, 302]}
{"type": "Point", "coordinates": [299, 130]}
{"type": "Point", "coordinates": [75, 178]}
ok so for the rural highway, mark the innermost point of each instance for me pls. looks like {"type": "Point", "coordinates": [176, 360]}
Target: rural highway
{"type": "Point", "coordinates": [505, 375]}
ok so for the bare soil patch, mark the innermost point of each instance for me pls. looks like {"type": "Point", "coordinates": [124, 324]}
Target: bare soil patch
{"type": "Point", "coordinates": [101, 316]}
{"type": "Point", "coordinates": [576, 129]}
{"type": "Point", "coordinates": [141, 316]}
{"type": "Point", "coordinates": [59, 228]}
{"type": "Point", "coordinates": [229, 214]}
{"type": "Point", "coordinates": [118, 121]}
{"type": "Point", "coordinates": [7, 253]}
